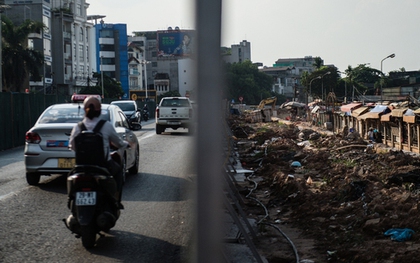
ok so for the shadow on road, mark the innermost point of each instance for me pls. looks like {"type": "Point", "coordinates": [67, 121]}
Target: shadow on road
{"type": "Point", "coordinates": [156, 187]}
{"type": "Point", "coordinates": [130, 247]}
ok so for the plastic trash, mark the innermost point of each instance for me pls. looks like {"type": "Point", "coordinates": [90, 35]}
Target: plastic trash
{"type": "Point", "coordinates": [399, 234]}
{"type": "Point", "coordinates": [296, 164]}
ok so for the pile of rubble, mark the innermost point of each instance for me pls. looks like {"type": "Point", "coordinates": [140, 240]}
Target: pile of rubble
{"type": "Point", "coordinates": [350, 198]}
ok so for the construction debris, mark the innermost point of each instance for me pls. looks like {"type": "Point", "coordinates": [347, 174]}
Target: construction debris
{"type": "Point", "coordinates": [343, 196]}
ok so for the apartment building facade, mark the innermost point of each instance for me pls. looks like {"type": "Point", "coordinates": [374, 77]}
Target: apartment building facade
{"type": "Point", "coordinates": [112, 53]}
{"type": "Point", "coordinates": [237, 53]}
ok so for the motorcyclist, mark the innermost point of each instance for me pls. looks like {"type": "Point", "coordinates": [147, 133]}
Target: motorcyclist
{"type": "Point", "coordinates": [92, 107]}
{"type": "Point", "coordinates": [145, 110]}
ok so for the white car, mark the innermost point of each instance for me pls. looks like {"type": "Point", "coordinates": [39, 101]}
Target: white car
{"type": "Point", "coordinates": [174, 113]}
{"type": "Point", "coordinates": [47, 142]}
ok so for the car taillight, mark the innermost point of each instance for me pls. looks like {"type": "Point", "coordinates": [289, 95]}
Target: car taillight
{"type": "Point", "coordinates": [157, 113]}
{"type": "Point", "coordinates": [32, 137]}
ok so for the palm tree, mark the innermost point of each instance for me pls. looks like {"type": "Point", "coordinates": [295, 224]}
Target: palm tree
{"type": "Point", "coordinates": [18, 59]}
{"type": "Point", "coordinates": [318, 62]}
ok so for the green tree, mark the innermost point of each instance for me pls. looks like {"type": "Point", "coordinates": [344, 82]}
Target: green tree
{"type": "Point", "coordinates": [112, 88]}
{"type": "Point", "coordinates": [18, 59]}
{"type": "Point", "coordinates": [363, 79]}
{"type": "Point", "coordinates": [327, 82]}
{"type": "Point", "coordinates": [245, 80]}
{"type": "Point", "coordinates": [318, 62]}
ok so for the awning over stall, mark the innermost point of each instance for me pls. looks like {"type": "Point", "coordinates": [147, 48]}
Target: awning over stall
{"type": "Point", "coordinates": [386, 117]}
{"type": "Point", "coordinates": [369, 115]}
{"type": "Point", "coordinates": [398, 112]}
{"type": "Point", "coordinates": [359, 111]}
{"type": "Point", "coordinates": [315, 109]}
{"type": "Point", "coordinates": [375, 113]}
{"type": "Point", "coordinates": [417, 111]}
{"type": "Point", "coordinates": [350, 107]}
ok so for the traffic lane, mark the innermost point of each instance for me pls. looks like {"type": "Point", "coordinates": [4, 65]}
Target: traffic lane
{"type": "Point", "coordinates": [155, 225]}
{"type": "Point", "coordinates": [12, 171]}
{"type": "Point", "coordinates": [165, 167]}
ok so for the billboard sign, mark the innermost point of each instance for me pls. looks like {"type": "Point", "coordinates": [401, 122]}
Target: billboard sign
{"type": "Point", "coordinates": [175, 42]}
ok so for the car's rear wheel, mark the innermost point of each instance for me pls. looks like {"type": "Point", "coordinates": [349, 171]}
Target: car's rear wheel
{"type": "Point", "coordinates": [159, 129]}
{"type": "Point", "coordinates": [33, 178]}
{"type": "Point", "coordinates": [135, 168]}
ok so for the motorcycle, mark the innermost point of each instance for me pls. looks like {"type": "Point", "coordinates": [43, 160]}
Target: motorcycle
{"type": "Point", "coordinates": [145, 115]}
{"type": "Point", "coordinates": [92, 201]}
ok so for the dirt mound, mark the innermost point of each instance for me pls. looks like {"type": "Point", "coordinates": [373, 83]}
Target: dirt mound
{"type": "Point", "coordinates": [342, 194]}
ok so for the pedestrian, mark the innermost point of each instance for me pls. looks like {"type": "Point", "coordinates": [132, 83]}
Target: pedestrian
{"type": "Point", "coordinates": [370, 135]}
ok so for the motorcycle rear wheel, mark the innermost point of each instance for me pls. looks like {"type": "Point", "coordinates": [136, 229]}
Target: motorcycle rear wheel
{"type": "Point", "coordinates": [88, 236]}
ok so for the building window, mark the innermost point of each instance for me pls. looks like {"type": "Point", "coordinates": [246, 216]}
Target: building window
{"type": "Point", "coordinates": [81, 34]}
{"type": "Point", "coordinates": [106, 33]}
{"type": "Point", "coordinates": [78, 9]}
{"type": "Point", "coordinates": [81, 52]}
{"type": "Point", "coordinates": [107, 48]}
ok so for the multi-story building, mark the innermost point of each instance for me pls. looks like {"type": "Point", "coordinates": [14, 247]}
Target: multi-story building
{"type": "Point", "coordinates": [237, 53]}
{"type": "Point", "coordinates": [169, 60]}
{"type": "Point", "coordinates": [135, 75]}
{"type": "Point", "coordinates": [301, 64]}
{"type": "Point", "coordinates": [112, 53]}
{"type": "Point", "coordinates": [65, 42]}
{"type": "Point", "coordinates": [36, 10]}
{"type": "Point", "coordinates": [72, 44]}
{"type": "Point", "coordinates": [287, 72]}
{"type": "Point", "coordinates": [138, 64]}
{"type": "Point", "coordinates": [148, 42]}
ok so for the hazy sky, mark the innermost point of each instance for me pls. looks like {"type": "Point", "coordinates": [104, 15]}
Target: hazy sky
{"type": "Point", "coordinates": [341, 32]}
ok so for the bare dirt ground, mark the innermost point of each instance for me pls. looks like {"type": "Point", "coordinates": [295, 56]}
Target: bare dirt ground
{"type": "Point", "coordinates": [338, 204]}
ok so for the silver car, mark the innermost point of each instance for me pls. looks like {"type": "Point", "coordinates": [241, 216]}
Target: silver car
{"type": "Point", "coordinates": [47, 142]}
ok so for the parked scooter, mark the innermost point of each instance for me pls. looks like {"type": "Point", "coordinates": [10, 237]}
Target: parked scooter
{"type": "Point", "coordinates": [92, 201]}
{"type": "Point", "coordinates": [145, 115]}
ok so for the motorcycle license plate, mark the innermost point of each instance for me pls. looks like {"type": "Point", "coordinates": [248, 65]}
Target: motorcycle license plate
{"type": "Point", "coordinates": [85, 198]}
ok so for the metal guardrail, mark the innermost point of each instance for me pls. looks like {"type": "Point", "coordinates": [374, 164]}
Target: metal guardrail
{"type": "Point", "coordinates": [232, 199]}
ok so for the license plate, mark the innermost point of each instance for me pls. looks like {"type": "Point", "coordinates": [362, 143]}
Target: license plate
{"type": "Point", "coordinates": [85, 198]}
{"type": "Point", "coordinates": [174, 123]}
{"type": "Point", "coordinates": [66, 162]}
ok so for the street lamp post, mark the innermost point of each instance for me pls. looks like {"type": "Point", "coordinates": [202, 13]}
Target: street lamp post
{"type": "Point", "coordinates": [390, 56]}
{"type": "Point", "coordinates": [144, 66]}
{"type": "Point", "coordinates": [322, 78]}
{"type": "Point", "coordinates": [310, 86]}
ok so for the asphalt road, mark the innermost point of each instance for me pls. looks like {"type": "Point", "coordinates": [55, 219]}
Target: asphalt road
{"type": "Point", "coordinates": [155, 226]}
